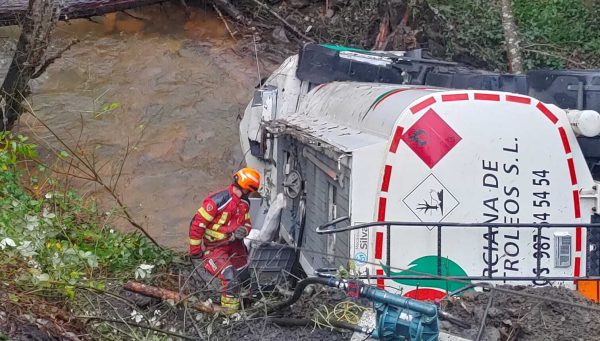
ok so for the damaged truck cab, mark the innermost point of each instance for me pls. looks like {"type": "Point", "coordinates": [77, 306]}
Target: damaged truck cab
{"type": "Point", "coordinates": [377, 139]}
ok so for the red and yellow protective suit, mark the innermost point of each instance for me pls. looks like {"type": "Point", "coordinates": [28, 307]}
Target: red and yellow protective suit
{"type": "Point", "coordinates": [211, 240]}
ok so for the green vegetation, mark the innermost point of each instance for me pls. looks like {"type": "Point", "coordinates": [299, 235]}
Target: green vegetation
{"type": "Point", "coordinates": [559, 33]}
{"type": "Point", "coordinates": [55, 238]}
{"type": "Point", "coordinates": [554, 33]}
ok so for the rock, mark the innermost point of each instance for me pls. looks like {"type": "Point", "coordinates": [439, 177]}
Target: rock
{"type": "Point", "coordinates": [279, 35]}
{"type": "Point", "coordinates": [445, 325]}
{"type": "Point", "coordinates": [330, 13]}
{"type": "Point", "coordinates": [33, 332]}
{"type": "Point", "coordinates": [469, 296]}
{"type": "Point", "coordinates": [494, 312]}
{"type": "Point", "coordinates": [309, 290]}
{"type": "Point", "coordinates": [492, 334]}
{"type": "Point", "coordinates": [139, 300]}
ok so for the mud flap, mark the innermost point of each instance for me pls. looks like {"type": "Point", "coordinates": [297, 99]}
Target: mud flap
{"type": "Point", "coordinates": [591, 289]}
{"type": "Point", "coordinates": [593, 248]}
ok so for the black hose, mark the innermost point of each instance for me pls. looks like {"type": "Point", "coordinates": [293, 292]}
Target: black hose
{"type": "Point", "coordinates": [332, 282]}
{"type": "Point", "coordinates": [487, 308]}
{"type": "Point", "coordinates": [299, 290]}
{"type": "Point", "coordinates": [448, 317]}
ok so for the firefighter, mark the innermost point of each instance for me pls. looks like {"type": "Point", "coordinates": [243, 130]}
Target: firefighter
{"type": "Point", "coordinates": [217, 232]}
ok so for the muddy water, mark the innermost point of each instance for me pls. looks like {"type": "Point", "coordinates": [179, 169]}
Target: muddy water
{"type": "Point", "coordinates": [177, 81]}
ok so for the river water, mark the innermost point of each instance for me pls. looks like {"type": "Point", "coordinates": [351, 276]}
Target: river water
{"type": "Point", "coordinates": [178, 81]}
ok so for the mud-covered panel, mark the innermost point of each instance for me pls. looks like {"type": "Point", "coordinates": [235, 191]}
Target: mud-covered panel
{"type": "Point", "coordinates": [324, 199]}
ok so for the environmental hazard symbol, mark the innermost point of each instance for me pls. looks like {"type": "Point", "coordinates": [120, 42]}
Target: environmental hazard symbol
{"type": "Point", "coordinates": [431, 201]}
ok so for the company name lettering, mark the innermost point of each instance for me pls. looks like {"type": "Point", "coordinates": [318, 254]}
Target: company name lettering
{"type": "Point", "coordinates": [502, 206]}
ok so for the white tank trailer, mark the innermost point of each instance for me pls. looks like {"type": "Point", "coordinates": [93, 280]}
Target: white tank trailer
{"type": "Point", "coordinates": [373, 152]}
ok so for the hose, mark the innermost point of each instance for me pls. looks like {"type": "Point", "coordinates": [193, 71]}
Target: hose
{"type": "Point", "coordinates": [299, 290]}
{"type": "Point", "coordinates": [448, 317]}
{"type": "Point", "coordinates": [330, 281]}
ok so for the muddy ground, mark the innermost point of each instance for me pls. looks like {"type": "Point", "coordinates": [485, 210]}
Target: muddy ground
{"type": "Point", "coordinates": [515, 317]}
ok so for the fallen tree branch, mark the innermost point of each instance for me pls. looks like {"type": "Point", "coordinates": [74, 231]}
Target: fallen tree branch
{"type": "Point", "coordinates": [12, 12]}
{"type": "Point", "coordinates": [224, 21]}
{"type": "Point", "coordinates": [285, 22]}
{"type": "Point", "coordinates": [165, 294]}
{"type": "Point", "coordinates": [402, 26]}
{"type": "Point", "coordinates": [383, 34]}
{"type": "Point", "coordinates": [233, 12]}
{"type": "Point", "coordinates": [135, 16]}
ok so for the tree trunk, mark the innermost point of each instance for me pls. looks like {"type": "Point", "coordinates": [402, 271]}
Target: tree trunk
{"type": "Point", "coordinates": [13, 11]}
{"type": "Point", "coordinates": [511, 36]}
{"type": "Point", "coordinates": [37, 25]}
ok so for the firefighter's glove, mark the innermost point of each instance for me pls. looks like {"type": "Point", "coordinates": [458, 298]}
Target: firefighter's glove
{"type": "Point", "coordinates": [240, 233]}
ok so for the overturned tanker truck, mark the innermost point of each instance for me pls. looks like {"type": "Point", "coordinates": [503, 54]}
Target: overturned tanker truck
{"type": "Point", "coordinates": [421, 170]}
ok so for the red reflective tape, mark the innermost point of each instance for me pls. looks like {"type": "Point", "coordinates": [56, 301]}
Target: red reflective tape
{"type": "Point", "coordinates": [572, 171]}
{"type": "Point", "coordinates": [381, 213]}
{"type": "Point", "coordinates": [578, 239]}
{"type": "Point", "coordinates": [378, 245]}
{"type": "Point", "coordinates": [577, 266]}
{"type": "Point", "coordinates": [380, 281]}
{"type": "Point", "coordinates": [387, 173]}
{"type": "Point", "coordinates": [422, 105]}
{"type": "Point", "coordinates": [396, 139]}
{"type": "Point", "coordinates": [321, 87]}
{"type": "Point", "coordinates": [455, 97]}
{"type": "Point", "coordinates": [565, 140]}
{"type": "Point", "coordinates": [487, 97]}
{"type": "Point", "coordinates": [576, 204]}
{"type": "Point", "coordinates": [518, 99]}
{"type": "Point", "coordinates": [541, 107]}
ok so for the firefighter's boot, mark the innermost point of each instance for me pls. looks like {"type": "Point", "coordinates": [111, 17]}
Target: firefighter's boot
{"type": "Point", "coordinates": [231, 290]}
{"type": "Point", "coordinates": [231, 304]}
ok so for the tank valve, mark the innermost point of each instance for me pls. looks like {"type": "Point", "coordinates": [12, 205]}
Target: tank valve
{"type": "Point", "coordinates": [584, 122]}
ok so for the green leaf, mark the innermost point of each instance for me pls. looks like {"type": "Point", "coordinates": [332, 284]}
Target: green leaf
{"type": "Point", "coordinates": [70, 291]}
{"type": "Point", "coordinates": [13, 298]}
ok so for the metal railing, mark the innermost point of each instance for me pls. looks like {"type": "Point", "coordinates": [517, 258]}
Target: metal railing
{"type": "Point", "coordinates": [329, 228]}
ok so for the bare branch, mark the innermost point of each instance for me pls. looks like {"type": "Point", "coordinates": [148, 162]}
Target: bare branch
{"type": "Point", "coordinates": [92, 171]}
{"type": "Point", "coordinates": [284, 22]}
{"type": "Point", "coordinates": [52, 59]}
